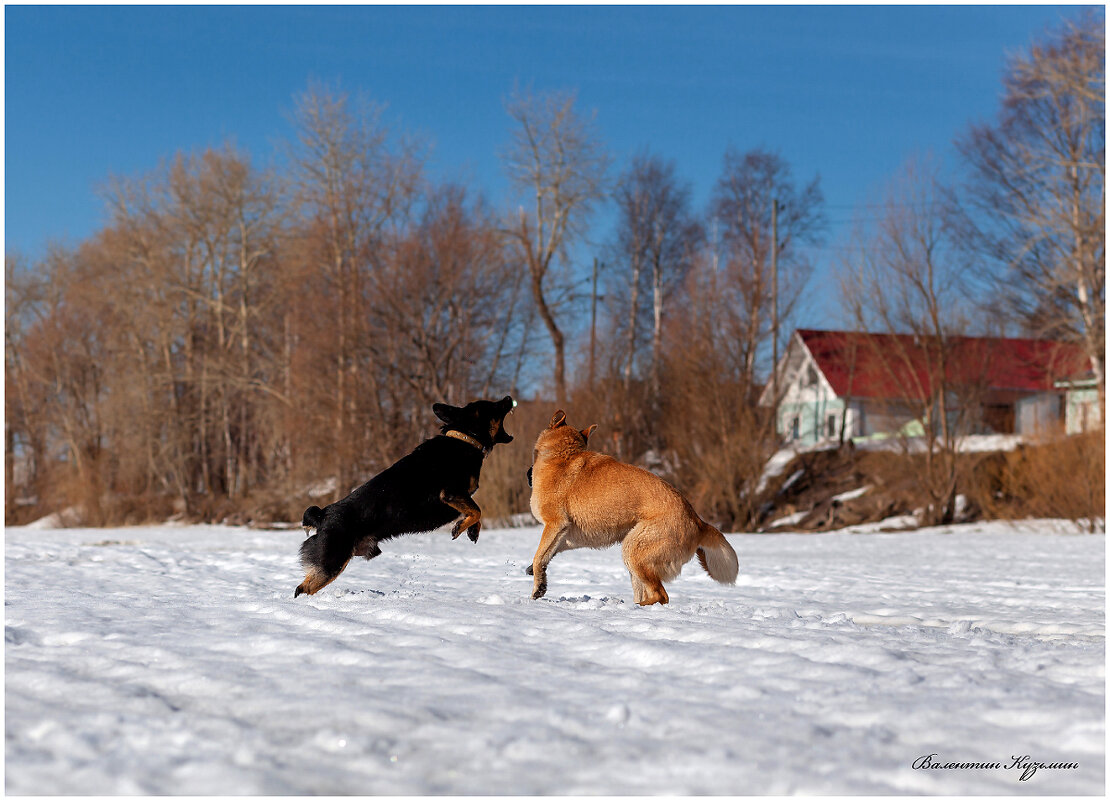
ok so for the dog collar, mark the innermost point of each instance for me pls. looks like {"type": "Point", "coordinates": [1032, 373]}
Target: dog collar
{"type": "Point", "coordinates": [466, 438]}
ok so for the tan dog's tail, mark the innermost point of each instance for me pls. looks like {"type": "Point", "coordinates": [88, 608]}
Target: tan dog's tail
{"type": "Point", "coordinates": [717, 556]}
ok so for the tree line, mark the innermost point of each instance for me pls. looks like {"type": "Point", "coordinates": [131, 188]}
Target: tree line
{"type": "Point", "coordinates": [238, 336]}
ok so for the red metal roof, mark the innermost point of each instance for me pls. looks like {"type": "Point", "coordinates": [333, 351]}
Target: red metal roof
{"type": "Point", "coordinates": [898, 366]}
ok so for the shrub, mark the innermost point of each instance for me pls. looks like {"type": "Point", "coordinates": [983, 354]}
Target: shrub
{"type": "Point", "coordinates": [1056, 477]}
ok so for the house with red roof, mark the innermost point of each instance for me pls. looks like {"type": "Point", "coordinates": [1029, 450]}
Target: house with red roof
{"type": "Point", "coordinates": [834, 384]}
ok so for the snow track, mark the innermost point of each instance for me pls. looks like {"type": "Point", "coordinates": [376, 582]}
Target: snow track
{"type": "Point", "coordinates": [175, 660]}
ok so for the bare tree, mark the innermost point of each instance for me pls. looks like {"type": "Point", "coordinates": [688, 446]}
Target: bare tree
{"type": "Point", "coordinates": [57, 354]}
{"type": "Point", "coordinates": [1037, 187]}
{"type": "Point", "coordinates": [25, 421]}
{"type": "Point", "coordinates": [905, 277]}
{"type": "Point", "coordinates": [194, 244]}
{"type": "Point", "coordinates": [225, 215]}
{"type": "Point", "coordinates": [749, 186]}
{"type": "Point", "coordinates": [716, 439]}
{"type": "Point", "coordinates": [657, 240]}
{"type": "Point", "coordinates": [349, 184]}
{"type": "Point", "coordinates": [161, 324]}
{"type": "Point", "coordinates": [556, 159]}
{"type": "Point", "coordinates": [443, 304]}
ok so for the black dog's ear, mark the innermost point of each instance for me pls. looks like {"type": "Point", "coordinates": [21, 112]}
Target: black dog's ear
{"type": "Point", "coordinates": [447, 413]}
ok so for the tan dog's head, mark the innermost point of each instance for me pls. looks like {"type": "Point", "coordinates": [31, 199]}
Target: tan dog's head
{"type": "Point", "coordinates": [559, 437]}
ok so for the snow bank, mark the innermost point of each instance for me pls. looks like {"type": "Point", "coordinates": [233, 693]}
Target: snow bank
{"type": "Point", "coordinates": [68, 517]}
{"type": "Point", "coordinates": [977, 443]}
{"type": "Point", "coordinates": [973, 443]}
{"type": "Point", "coordinates": [175, 660]}
{"type": "Point", "coordinates": [851, 495]}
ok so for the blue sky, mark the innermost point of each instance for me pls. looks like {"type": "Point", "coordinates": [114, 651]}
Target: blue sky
{"type": "Point", "coordinates": [846, 92]}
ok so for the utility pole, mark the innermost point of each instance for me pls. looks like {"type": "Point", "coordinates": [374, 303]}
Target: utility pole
{"type": "Point", "coordinates": [593, 322]}
{"type": "Point", "coordinates": [774, 299]}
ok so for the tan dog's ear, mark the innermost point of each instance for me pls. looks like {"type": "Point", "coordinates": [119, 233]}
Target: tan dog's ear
{"type": "Point", "coordinates": [558, 419]}
{"type": "Point", "coordinates": [587, 431]}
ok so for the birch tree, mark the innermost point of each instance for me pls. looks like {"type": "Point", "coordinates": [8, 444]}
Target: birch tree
{"type": "Point", "coordinates": [1037, 187]}
{"type": "Point", "coordinates": [557, 163]}
{"type": "Point", "coordinates": [657, 240]}
{"type": "Point", "coordinates": [350, 181]}
{"type": "Point", "coordinates": [743, 199]}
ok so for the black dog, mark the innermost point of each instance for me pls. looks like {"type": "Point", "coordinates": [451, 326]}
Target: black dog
{"type": "Point", "coordinates": [422, 491]}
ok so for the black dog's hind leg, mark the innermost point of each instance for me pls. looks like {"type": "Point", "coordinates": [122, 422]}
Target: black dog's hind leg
{"type": "Point", "coordinates": [323, 556]}
{"type": "Point", "coordinates": [471, 520]}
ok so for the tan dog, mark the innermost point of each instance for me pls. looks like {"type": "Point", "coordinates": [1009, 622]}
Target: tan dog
{"type": "Point", "coordinates": [589, 500]}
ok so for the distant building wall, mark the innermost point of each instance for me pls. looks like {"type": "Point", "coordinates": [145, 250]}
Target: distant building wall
{"type": "Point", "coordinates": [810, 413]}
{"type": "Point", "coordinates": [809, 422]}
{"type": "Point", "coordinates": [884, 417]}
{"type": "Point", "coordinates": [1038, 413]}
{"type": "Point", "coordinates": [1082, 411]}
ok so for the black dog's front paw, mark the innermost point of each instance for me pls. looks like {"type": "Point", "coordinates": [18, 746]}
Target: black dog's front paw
{"type": "Point", "coordinates": [528, 570]}
{"type": "Point", "coordinates": [472, 532]}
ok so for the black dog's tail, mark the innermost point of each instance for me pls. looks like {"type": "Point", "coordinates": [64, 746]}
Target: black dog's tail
{"type": "Point", "coordinates": [313, 517]}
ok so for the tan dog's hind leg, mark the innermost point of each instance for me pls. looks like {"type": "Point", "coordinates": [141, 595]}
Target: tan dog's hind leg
{"type": "Point", "coordinates": [550, 543]}
{"type": "Point", "coordinates": [647, 589]}
{"type": "Point", "coordinates": [643, 555]}
{"type": "Point", "coordinates": [637, 587]}
{"type": "Point", "coordinates": [655, 592]}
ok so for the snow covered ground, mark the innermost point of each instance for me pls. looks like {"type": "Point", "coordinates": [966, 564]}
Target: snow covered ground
{"type": "Point", "coordinates": [175, 660]}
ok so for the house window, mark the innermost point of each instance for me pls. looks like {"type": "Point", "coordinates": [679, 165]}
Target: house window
{"type": "Point", "coordinates": [795, 428]}
{"type": "Point", "coordinates": [830, 426]}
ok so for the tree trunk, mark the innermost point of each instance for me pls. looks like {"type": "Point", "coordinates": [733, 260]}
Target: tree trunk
{"type": "Point", "coordinates": [657, 331]}
{"type": "Point", "coordinates": [557, 340]}
{"type": "Point", "coordinates": [633, 310]}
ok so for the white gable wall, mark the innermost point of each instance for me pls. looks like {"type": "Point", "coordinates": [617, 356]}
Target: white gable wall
{"type": "Point", "coordinates": [810, 411]}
